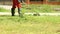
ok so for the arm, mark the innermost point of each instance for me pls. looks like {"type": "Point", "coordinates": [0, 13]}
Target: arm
{"type": "Point", "coordinates": [23, 2]}
{"type": "Point", "coordinates": [20, 1]}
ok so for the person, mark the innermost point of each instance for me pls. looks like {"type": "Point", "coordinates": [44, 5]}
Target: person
{"type": "Point", "coordinates": [16, 3]}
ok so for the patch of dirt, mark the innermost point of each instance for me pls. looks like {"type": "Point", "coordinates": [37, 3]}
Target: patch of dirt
{"type": "Point", "coordinates": [57, 31]}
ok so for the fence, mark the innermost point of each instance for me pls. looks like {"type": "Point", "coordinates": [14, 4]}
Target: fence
{"type": "Point", "coordinates": [9, 2]}
{"type": "Point", "coordinates": [5, 2]}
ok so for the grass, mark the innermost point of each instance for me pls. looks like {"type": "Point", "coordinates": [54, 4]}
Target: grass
{"type": "Point", "coordinates": [40, 8]}
{"type": "Point", "coordinates": [30, 25]}
{"type": "Point", "coordinates": [37, 8]}
{"type": "Point", "coordinates": [3, 10]}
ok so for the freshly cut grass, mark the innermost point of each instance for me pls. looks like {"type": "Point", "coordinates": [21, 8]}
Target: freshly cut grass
{"type": "Point", "coordinates": [30, 25]}
{"type": "Point", "coordinates": [40, 8]}
{"type": "Point", "coordinates": [4, 10]}
{"type": "Point", "coordinates": [36, 8]}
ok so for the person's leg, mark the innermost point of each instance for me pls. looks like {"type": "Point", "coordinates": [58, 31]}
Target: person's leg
{"type": "Point", "coordinates": [19, 9]}
{"type": "Point", "coordinates": [13, 10]}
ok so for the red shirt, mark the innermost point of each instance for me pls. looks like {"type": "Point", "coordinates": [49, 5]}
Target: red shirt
{"type": "Point", "coordinates": [16, 3]}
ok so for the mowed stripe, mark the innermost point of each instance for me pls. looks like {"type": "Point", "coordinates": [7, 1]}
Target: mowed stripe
{"type": "Point", "coordinates": [41, 14]}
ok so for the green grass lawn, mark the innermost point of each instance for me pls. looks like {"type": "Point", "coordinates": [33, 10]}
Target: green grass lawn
{"type": "Point", "coordinates": [30, 25]}
{"type": "Point", "coordinates": [40, 8]}
{"type": "Point", "coordinates": [36, 8]}
{"type": "Point", "coordinates": [4, 10]}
